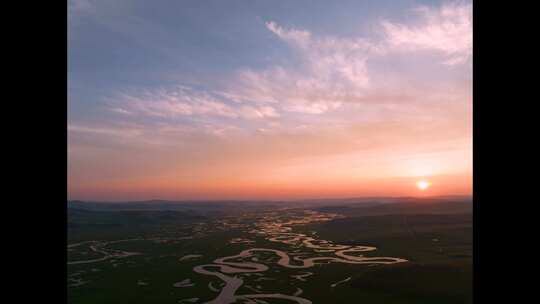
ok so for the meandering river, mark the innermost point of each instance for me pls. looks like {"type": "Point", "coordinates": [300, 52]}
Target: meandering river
{"type": "Point", "coordinates": [274, 227]}
{"type": "Point", "coordinates": [275, 230]}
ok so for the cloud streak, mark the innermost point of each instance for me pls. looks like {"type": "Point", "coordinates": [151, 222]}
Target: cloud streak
{"type": "Point", "coordinates": [333, 71]}
{"type": "Point", "coordinates": [447, 30]}
{"type": "Point", "coordinates": [181, 101]}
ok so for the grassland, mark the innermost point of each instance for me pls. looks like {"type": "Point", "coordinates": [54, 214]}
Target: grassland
{"type": "Point", "coordinates": [436, 241]}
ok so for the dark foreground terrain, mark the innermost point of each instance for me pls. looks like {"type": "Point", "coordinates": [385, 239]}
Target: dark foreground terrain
{"type": "Point", "coordinates": [327, 251]}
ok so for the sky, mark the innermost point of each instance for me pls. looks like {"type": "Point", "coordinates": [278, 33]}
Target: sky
{"type": "Point", "coordinates": [268, 99]}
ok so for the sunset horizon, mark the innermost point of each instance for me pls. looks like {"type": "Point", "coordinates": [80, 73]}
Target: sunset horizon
{"type": "Point", "coordinates": [339, 104]}
{"type": "Point", "coordinates": [278, 192]}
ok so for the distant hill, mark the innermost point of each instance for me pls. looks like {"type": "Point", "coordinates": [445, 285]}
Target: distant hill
{"type": "Point", "coordinates": [216, 205]}
{"type": "Point", "coordinates": [204, 208]}
{"type": "Point", "coordinates": [406, 206]}
{"type": "Point", "coordinates": [388, 200]}
{"type": "Point", "coordinates": [82, 217]}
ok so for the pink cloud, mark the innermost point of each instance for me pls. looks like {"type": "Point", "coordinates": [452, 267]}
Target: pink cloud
{"type": "Point", "coordinates": [333, 71]}
{"type": "Point", "coordinates": [447, 30]}
{"type": "Point", "coordinates": [183, 101]}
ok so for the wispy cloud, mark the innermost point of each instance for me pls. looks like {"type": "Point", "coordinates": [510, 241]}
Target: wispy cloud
{"type": "Point", "coordinates": [335, 70]}
{"type": "Point", "coordinates": [330, 58]}
{"type": "Point", "coordinates": [331, 70]}
{"type": "Point", "coordinates": [105, 131]}
{"type": "Point", "coordinates": [183, 101]}
{"type": "Point", "coordinates": [333, 73]}
{"type": "Point", "coordinates": [447, 29]}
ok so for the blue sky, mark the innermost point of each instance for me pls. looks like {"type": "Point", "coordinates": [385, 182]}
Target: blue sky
{"type": "Point", "coordinates": [202, 75]}
{"type": "Point", "coordinates": [118, 44]}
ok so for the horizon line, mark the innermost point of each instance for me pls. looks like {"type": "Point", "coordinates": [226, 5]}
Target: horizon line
{"type": "Point", "coordinates": [267, 200]}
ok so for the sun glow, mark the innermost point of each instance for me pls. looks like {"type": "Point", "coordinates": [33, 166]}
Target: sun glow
{"type": "Point", "coordinates": [422, 185]}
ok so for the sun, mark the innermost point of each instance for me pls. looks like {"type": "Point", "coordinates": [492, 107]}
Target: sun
{"type": "Point", "coordinates": [422, 185]}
